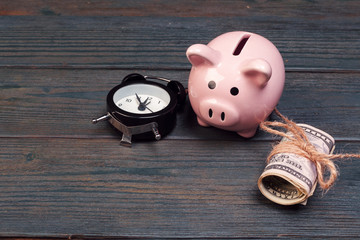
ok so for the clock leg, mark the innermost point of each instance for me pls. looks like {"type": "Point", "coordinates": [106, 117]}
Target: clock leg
{"type": "Point", "coordinates": [126, 140]}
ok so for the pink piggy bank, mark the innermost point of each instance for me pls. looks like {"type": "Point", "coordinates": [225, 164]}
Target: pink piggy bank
{"type": "Point", "coordinates": [235, 81]}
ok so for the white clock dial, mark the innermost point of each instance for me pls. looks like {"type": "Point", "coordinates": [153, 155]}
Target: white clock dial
{"type": "Point", "coordinates": [141, 98]}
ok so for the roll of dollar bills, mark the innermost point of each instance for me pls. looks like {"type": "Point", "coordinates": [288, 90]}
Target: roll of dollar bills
{"type": "Point", "coordinates": [290, 179]}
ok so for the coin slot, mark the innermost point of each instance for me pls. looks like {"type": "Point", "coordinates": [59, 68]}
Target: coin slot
{"type": "Point", "coordinates": [241, 45]}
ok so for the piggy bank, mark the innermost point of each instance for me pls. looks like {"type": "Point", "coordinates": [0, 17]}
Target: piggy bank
{"type": "Point", "coordinates": [235, 81]}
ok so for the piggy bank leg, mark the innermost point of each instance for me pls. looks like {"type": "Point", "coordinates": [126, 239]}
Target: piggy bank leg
{"type": "Point", "coordinates": [202, 123]}
{"type": "Point", "coordinates": [248, 133]}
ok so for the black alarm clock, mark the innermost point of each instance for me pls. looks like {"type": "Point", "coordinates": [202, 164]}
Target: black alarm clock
{"type": "Point", "coordinates": [143, 108]}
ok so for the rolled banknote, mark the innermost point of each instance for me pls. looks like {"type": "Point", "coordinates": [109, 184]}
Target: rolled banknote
{"type": "Point", "coordinates": [290, 179]}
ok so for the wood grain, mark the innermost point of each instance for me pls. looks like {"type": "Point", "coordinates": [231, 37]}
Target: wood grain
{"type": "Point", "coordinates": [63, 178]}
{"type": "Point", "coordinates": [159, 190]}
{"type": "Point", "coordinates": [184, 8]}
{"type": "Point", "coordinates": [161, 42]}
{"type": "Point", "coordinates": [61, 103]}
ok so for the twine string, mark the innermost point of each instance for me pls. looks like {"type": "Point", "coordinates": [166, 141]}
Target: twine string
{"type": "Point", "coordinates": [298, 143]}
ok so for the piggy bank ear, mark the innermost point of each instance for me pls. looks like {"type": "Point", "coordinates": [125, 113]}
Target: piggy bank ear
{"type": "Point", "coordinates": [257, 70]}
{"type": "Point", "coordinates": [199, 54]}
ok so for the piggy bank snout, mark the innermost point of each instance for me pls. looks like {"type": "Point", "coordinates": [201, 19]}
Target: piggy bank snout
{"type": "Point", "coordinates": [218, 113]}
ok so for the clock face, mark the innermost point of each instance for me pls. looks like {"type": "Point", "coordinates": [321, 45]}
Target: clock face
{"type": "Point", "coordinates": [141, 98]}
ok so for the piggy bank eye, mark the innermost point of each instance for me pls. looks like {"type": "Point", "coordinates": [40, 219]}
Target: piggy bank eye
{"type": "Point", "coordinates": [212, 84]}
{"type": "Point", "coordinates": [234, 91]}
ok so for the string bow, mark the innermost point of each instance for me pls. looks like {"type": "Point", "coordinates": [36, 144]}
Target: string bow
{"type": "Point", "coordinates": [298, 143]}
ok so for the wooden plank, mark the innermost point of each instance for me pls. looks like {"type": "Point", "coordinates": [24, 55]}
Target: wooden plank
{"type": "Point", "coordinates": [327, 44]}
{"type": "Point", "coordinates": [93, 187]}
{"type": "Point", "coordinates": [191, 190]}
{"type": "Point", "coordinates": [61, 103]}
{"type": "Point", "coordinates": [184, 8]}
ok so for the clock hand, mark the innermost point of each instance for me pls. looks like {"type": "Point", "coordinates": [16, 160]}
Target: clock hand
{"type": "Point", "coordinates": [138, 98]}
{"type": "Point", "coordinates": [142, 105]}
{"type": "Point", "coordinates": [149, 109]}
{"type": "Point", "coordinates": [145, 102]}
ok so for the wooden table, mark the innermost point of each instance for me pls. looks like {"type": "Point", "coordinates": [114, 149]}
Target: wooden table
{"type": "Point", "coordinates": [62, 177]}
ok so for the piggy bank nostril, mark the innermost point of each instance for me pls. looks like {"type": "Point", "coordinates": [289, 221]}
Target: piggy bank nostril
{"type": "Point", "coordinates": [222, 116]}
{"type": "Point", "coordinates": [210, 113]}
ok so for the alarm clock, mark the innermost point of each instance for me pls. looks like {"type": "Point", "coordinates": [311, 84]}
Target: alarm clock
{"type": "Point", "coordinates": [143, 108]}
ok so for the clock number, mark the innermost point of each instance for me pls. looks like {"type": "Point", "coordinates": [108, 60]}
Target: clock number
{"type": "Point", "coordinates": [128, 100]}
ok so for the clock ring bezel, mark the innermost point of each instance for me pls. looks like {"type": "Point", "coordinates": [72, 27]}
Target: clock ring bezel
{"type": "Point", "coordinates": [112, 107]}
